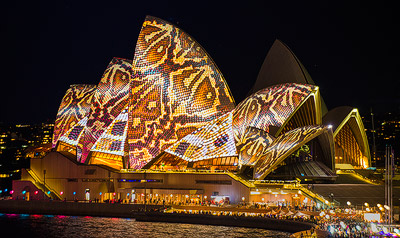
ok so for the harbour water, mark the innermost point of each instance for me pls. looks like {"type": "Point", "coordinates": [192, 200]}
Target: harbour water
{"type": "Point", "coordinates": [24, 225]}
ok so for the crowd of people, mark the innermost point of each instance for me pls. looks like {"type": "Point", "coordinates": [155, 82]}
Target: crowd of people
{"type": "Point", "coordinates": [334, 226]}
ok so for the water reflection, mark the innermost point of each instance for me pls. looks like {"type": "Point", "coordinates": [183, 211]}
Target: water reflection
{"type": "Point", "coordinates": [73, 226]}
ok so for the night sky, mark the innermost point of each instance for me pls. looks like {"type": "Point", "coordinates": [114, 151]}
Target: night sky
{"type": "Point", "coordinates": [348, 49]}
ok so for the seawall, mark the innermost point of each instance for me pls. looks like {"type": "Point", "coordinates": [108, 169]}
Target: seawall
{"type": "Point", "coordinates": [73, 208]}
{"type": "Point", "coordinates": [240, 221]}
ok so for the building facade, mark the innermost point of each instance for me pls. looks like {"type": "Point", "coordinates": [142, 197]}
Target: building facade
{"type": "Point", "coordinates": [164, 127]}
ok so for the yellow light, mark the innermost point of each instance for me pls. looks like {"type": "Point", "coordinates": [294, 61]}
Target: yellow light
{"type": "Point", "coordinates": [366, 204]}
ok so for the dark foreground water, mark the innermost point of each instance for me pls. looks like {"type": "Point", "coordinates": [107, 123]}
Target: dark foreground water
{"type": "Point", "coordinates": [22, 225]}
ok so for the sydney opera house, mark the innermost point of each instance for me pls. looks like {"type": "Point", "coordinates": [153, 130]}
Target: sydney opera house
{"type": "Point", "coordinates": [166, 126]}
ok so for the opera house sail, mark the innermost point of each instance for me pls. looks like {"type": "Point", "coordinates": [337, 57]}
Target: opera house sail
{"type": "Point", "coordinates": [171, 106]}
{"type": "Point", "coordinates": [170, 109]}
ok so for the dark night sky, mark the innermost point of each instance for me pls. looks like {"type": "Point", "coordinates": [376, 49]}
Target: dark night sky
{"type": "Point", "coordinates": [348, 49]}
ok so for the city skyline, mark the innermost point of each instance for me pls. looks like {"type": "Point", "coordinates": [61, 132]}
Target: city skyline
{"type": "Point", "coordinates": [346, 49]}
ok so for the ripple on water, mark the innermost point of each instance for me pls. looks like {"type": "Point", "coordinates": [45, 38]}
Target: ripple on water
{"type": "Point", "coordinates": [74, 226]}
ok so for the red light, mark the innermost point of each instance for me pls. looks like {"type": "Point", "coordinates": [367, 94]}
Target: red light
{"type": "Point", "coordinates": [61, 192]}
{"type": "Point", "coordinates": [36, 192]}
{"type": "Point", "coordinates": [114, 194]}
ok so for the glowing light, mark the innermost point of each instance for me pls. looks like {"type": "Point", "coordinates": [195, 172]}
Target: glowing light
{"type": "Point", "coordinates": [254, 192]}
{"type": "Point", "coordinates": [243, 199]}
{"type": "Point", "coordinates": [12, 191]}
{"type": "Point", "coordinates": [100, 193]}
{"type": "Point", "coordinates": [348, 203]}
{"type": "Point", "coordinates": [23, 192]}
{"type": "Point", "coordinates": [48, 192]}
{"type": "Point", "coordinates": [262, 199]}
{"type": "Point", "coordinates": [330, 126]}
{"type": "Point", "coordinates": [370, 217]}
{"type": "Point", "coordinates": [366, 204]}
{"type": "Point", "coordinates": [36, 192]}
{"type": "Point", "coordinates": [205, 196]}
{"type": "Point", "coordinates": [74, 193]}
{"type": "Point", "coordinates": [386, 207]}
{"type": "Point", "coordinates": [61, 192]}
{"type": "Point", "coordinates": [367, 209]}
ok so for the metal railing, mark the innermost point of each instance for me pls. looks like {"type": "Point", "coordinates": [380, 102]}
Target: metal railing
{"type": "Point", "coordinates": [40, 184]}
